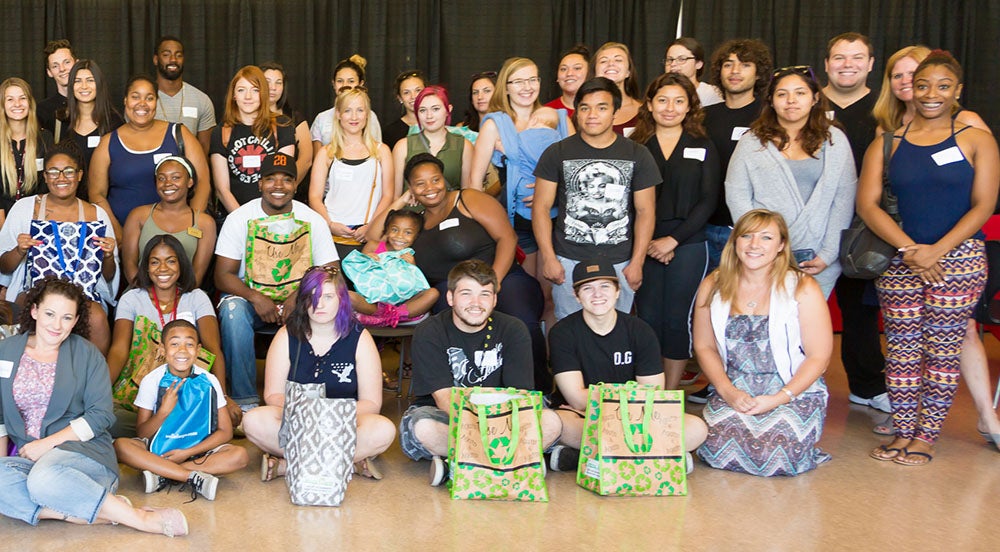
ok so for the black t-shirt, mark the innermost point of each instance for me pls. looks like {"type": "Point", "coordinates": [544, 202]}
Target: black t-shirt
{"type": "Point", "coordinates": [245, 152]}
{"type": "Point", "coordinates": [499, 355]}
{"type": "Point", "coordinates": [630, 349]}
{"type": "Point", "coordinates": [46, 112]}
{"type": "Point", "coordinates": [23, 165]}
{"type": "Point", "coordinates": [691, 183]}
{"type": "Point", "coordinates": [394, 132]}
{"type": "Point", "coordinates": [725, 126]}
{"type": "Point", "coordinates": [594, 187]}
{"type": "Point", "coordinates": [859, 125]}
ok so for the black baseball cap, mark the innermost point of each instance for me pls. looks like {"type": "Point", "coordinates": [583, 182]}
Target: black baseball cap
{"type": "Point", "coordinates": [594, 269]}
{"type": "Point", "coordinates": [279, 163]}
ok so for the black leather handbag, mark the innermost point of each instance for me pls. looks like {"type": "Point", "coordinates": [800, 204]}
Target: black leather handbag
{"type": "Point", "coordinates": [863, 254]}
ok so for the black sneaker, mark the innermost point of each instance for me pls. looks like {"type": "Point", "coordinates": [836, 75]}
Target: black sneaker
{"type": "Point", "coordinates": [563, 458]}
{"type": "Point", "coordinates": [439, 471]}
{"type": "Point", "coordinates": [699, 397]}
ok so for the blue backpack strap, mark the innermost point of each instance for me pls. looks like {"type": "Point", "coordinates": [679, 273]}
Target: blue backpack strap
{"type": "Point", "coordinates": [512, 151]}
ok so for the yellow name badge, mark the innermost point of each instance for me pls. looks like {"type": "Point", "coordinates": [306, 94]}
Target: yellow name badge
{"type": "Point", "coordinates": [196, 232]}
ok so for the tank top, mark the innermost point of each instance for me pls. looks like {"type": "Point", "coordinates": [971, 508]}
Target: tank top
{"type": "Point", "coordinates": [933, 185]}
{"type": "Point", "coordinates": [335, 369]}
{"type": "Point", "coordinates": [354, 188]}
{"type": "Point", "coordinates": [150, 230]}
{"type": "Point", "coordinates": [457, 238]}
{"type": "Point", "coordinates": [450, 154]}
{"type": "Point", "coordinates": [131, 175]}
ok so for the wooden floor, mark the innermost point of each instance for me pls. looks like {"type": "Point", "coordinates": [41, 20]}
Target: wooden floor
{"type": "Point", "coordinates": [851, 503]}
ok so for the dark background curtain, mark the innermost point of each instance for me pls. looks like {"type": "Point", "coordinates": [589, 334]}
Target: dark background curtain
{"type": "Point", "coordinates": [451, 39]}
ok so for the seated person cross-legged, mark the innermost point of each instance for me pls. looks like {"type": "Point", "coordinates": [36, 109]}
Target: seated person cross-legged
{"type": "Point", "coordinates": [763, 337]}
{"type": "Point", "coordinates": [600, 344]}
{"type": "Point", "coordinates": [243, 309]}
{"type": "Point", "coordinates": [468, 345]}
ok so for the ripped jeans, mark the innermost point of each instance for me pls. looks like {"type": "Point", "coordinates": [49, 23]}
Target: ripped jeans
{"type": "Point", "coordinates": [237, 323]}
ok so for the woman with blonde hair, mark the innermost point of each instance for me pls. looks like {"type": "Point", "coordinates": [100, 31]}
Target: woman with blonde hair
{"type": "Point", "coordinates": [249, 132]}
{"type": "Point", "coordinates": [614, 61]}
{"type": "Point", "coordinates": [22, 145]}
{"type": "Point", "coordinates": [763, 337]}
{"type": "Point", "coordinates": [353, 178]}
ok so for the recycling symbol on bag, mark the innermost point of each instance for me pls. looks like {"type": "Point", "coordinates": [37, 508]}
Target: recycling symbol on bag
{"type": "Point", "coordinates": [282, 270]}
{"type": "Point", "coordinates": [504, 442]}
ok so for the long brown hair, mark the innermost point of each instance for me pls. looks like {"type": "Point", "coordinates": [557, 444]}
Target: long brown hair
{"type": "Point", "coordinates": [265, 120]}
{"type": "Point", "coordinates": [727, 276]}
{"type": "Point", "coordinates": [817, 129]}
{"type": "Point", "coordinates": [646, 127]}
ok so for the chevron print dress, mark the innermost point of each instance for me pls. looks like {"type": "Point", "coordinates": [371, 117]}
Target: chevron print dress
{"type": "Point", "coordinates": [779, 442]}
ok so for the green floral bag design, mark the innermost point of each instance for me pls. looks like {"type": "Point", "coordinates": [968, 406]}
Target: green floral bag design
{"type": "Point", "coordinates": [495, 444]}
{"type": "Point", "coordinates": [144, 357]}
{"type": "Point", "coordinates": [633, 441]}
{"type": "Point", "coordinates": [279, 251]}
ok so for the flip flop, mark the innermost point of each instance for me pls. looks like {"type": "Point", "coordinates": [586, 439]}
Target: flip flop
{"type": "Point", "coordinates": [901, 458]}
{"type": "Point", "coordinates": [881, 453]}
{"type": "Point", "coordinates": [269, 467]}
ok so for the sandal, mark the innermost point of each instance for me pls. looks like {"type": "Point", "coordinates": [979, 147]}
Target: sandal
{"type": "Point", "coordinates": [901, 459]}
{"type": "Point", "coordinates": [884, 453]}
{"type": "Point", "coordinates": [368, 468]}
{"type": "Point", "coordinates": [270, 467]}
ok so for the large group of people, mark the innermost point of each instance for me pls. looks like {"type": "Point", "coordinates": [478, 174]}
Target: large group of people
{"type": "Point", "coordinates": [608, 235]}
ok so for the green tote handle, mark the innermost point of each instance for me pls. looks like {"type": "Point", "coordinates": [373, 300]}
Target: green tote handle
{"type": "Point", "coordinates": [490, 445]}
{"type": "Point", "coordinates": [637, 436]}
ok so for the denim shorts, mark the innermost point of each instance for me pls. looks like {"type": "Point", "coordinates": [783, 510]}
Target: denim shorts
{"type": "Point", "coordinates": [412, 447]}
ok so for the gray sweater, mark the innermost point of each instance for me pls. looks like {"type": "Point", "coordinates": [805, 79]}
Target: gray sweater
{"type": "Point", "coordinates": [759, 178]}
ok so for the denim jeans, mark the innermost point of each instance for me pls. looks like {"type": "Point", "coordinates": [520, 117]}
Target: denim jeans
{"type": "Point", "coordinates": [67, 482]}
{"type": "Point", "coordinates": [717, 237]}
{"type": "Point", "coordinates": [565, 300]}
{"type": "Point", "coordinates": [237, 323]}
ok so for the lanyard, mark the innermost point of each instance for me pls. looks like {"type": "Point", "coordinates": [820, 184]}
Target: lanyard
{"type": "Point", "coordinates": [67, 270]}
{"type": "Point", "coordinates": [159, 312]}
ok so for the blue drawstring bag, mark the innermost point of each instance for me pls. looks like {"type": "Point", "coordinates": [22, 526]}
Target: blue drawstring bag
{"type": "Point", "coordinates": [193, 419]}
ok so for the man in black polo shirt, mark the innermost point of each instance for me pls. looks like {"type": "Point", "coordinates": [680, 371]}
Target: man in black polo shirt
{"type": "Point", "coordinates": [849, 60]}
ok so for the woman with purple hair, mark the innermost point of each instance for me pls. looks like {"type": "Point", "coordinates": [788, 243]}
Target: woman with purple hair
{"type": "Point", "coordinates": [321, 343]}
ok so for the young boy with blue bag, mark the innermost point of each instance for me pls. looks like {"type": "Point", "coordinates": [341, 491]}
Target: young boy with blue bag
{"type": "Point", "coordinates": [183, 429]}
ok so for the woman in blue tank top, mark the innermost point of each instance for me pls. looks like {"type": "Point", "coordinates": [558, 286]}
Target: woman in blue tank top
{"type": "Point", "coordinates": [944, 176]}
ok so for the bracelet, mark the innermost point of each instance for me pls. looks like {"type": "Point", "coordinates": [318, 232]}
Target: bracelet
{"type": "Point", "coordinates": [791, 396]}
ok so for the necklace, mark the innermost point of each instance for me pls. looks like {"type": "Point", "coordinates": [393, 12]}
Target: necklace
{"type": "Point", "coordinates": [159, 307]}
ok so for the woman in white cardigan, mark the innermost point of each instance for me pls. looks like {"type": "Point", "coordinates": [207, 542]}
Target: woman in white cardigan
{"type": "Point", "coordinates": [794, 162]}
{"type": "Point", "coordinates": [762, 335]}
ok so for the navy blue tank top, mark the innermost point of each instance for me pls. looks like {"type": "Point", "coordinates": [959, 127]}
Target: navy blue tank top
{"type": "Point", "coordinates": [336, 369]}
{"type": "Point", "coordinates": [933, 185]}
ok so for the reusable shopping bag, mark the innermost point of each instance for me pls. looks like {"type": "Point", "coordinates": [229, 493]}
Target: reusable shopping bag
{"type": "Point", "coordinates": [68, 251]}
{"type": "Point", "coordinates": [633, 441]}
{"type": "Point", "coordinates": [388, 279]}
{"type": "Point", "coordinates": [495, 444]}
{"type": "Point", "coordinates": [279, 252]}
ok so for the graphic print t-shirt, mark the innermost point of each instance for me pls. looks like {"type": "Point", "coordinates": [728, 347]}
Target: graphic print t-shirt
{"type": "Point", "coordinates": [594, 195]}
{"type": "Point", "coordinates": [244, 155]}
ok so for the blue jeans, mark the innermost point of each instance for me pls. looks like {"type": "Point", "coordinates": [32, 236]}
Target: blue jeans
{"type": "Point", "coordinates": [67, 482]}
{"type": "Point", "coordinates": [565, 300]}
{"type": "Point", "coordinates": [717, 236]}
{"type": "Point", "coordinates": [237, 323]}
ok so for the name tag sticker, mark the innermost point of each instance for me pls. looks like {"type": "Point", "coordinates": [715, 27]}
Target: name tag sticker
{"type": "Point", "coordinates": [946, 156]}
{"type": "Point", "coordinates": [830, 115]}
{"type": "Point", "coordinates": [694, 153]}
{"type": "Point", "coordinates": [93, 141]}
{"type": "Point", "coordinates": [448, 223]}
{"type": "Point", "coordinates": [157, 157]}
{"type": "Point", "coordinates": [189, 111]}
{"type": "Point", "coordinates": [627, 131]}
{"type": "Point", "coordinates": [344, 174]}
{"type": "Point", "coordinates": [194, 232]}
{"type": "Point", "coordinates": [6, 367]}
{"type": "Point", "coordinates": [251, 161]}
{"type": "Point", "coordinates": [39, 164]}
{"type": "Point", "coordinates": [738, 133]}
{"type": "Point", "coordinates": [614, 191]}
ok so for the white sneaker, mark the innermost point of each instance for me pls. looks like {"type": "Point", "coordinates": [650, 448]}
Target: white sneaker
{"type": "Point", "coordinates": [439, 471]}
{"type": "Point", "coordinates": [152, 482]}
{"type": "Point", "coordinates": [878, 402]}
{"type": "Point", "coordinates": [204, 484]}
{"type": "Point", "coordinates": [689, 461]}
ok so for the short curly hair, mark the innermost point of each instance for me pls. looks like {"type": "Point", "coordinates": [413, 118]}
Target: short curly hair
{"type": "Point", "coordinates": [748, 50]}
{"type": "Point", "coordinates": [55, 285]}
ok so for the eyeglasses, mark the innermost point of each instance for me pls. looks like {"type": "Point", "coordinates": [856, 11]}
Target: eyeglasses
{"type": "Point", "coordinates": [803, 70]}
{"type": "Point", "coordinates": [492, 75]}
{"type": "Point", "coordinates": [68, 172]}
{"type": "Point", "coordinates": [522, 83]}
{"type": "Point", "coordinates": [679, 60]}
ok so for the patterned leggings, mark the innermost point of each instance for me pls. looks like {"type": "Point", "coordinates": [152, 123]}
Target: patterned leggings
{"type": "Point", "coordinates": [924, 327]}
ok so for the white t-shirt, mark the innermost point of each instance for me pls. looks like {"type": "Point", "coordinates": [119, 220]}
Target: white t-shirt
{"type": "Point", "coordinates": [232, 241]}
{"type": "Point", "coordinates": [322, 127]}
{"type": "Point", "coordinates": [192, 306]}
{"type": "Point", "coordinates": [708, 94]}
{"type": "Point", "coordinates": [150, 385]}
